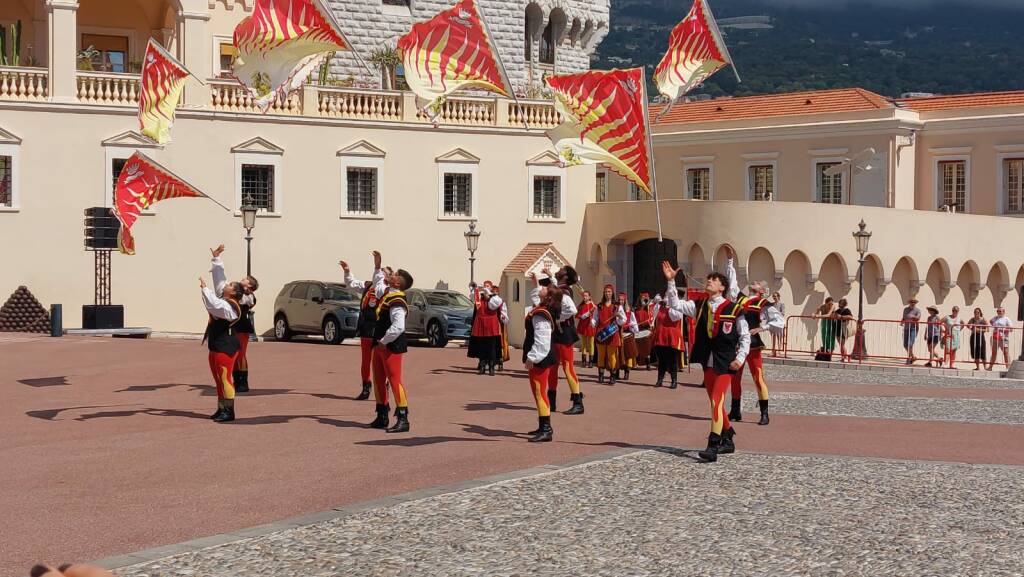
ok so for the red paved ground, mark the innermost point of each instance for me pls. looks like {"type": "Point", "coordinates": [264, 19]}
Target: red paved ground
{"type": "Point", "coordinates": [106, 448]}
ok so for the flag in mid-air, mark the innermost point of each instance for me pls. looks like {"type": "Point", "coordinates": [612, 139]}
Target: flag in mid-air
{"type": "Point", "coordinates": [141, 184]}
{"type": "Point", "coordinates": [608, 112]}
{"type": "Point", "coordinates": [451, 51]}
{"type": "Point", "coordinates": [280, 43]}
{"type": "Point", "coordinates": [695, 52]}
{"type": "Point", "coordinates": [163, 78]}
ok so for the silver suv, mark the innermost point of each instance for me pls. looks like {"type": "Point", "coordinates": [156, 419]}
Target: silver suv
{"type": "Point", "coordinates": [438, 316]}
{"type": "Point", "coordinates": [309, 307]}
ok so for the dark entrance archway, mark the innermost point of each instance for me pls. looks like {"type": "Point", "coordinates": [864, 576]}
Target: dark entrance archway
{"type": "Point", "coordinates": [647, 258]}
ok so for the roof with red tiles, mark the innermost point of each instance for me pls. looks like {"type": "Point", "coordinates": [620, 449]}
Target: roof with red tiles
{"type": "Point", "coordinates": [955, 101]}
{"type": "Point", "coordinates": [529, 256]}
{"type": "Point", "coordinates": [770, 105]}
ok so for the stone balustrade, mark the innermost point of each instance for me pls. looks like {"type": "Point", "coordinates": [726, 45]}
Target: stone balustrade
{"type": "Point", "coordinates": [23, 83]}
{"type": "Point", "coordinates": [112, 89]}
{"type": "Point", "coordinates": [108, 88]}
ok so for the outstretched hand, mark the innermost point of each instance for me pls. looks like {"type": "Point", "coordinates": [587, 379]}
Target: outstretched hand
{"type": "Point", "coordinates": [202, 283]}
{"type": "Point", "coordinates": [216, 252]}
{"type": "Point", "coordinates": [669, 271]}
{"type": "Point", "coordinates": [344, 265]}
{"type": "Point", "coordinates": [376, 260]}
{"type": "Point", "coordinates": [729, 252]}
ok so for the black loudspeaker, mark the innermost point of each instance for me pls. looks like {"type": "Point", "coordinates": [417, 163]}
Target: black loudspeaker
{"type": "Point", "coordinates": [102, 317]}
{"type": "Point", "coordinates": [101, 228]}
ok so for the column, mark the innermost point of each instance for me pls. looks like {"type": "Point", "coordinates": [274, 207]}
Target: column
{"type": "Point", "coordinates": [196, 53]}
{"type": "Point", "coordinates": [62, 47]}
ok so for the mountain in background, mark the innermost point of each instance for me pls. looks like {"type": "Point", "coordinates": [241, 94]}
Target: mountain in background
{"type": "Point", "coordinates": [789, 45]}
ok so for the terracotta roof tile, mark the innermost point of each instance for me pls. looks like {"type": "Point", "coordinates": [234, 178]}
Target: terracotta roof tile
{"type": "Point", "coordinates": [955, 101]}
{"type": "Point", "coordinates": [770, 105]}
{"type": "Point", "coordinates": [530, 254]}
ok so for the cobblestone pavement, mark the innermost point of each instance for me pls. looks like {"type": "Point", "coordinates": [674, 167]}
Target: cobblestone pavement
{"type": "Point", "coordinates": [654, 513]}
{"type": "Point", "coordinates": [1005, 412]}
{"type": "Point", "coordinates": [833, 376]}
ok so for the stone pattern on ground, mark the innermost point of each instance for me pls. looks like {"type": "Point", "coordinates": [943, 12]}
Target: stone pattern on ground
{"type": "Point", "coordinates": [653, 513]}
{"type": "Point", "coordinates": [1004, 412]}
{"type": "Point", "coordinates": [815, 375]}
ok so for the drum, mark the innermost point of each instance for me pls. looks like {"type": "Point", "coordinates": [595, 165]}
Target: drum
{"type": "Point", "coordinates": [629, 350]}
{"type": "Point", "coordinates": [607, 332]}
{"type": "Point", "coordinates": [644, 344]}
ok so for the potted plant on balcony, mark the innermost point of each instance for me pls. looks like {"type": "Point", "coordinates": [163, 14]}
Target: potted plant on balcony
{"type": "Point", "coordinates": [387, 60]}
{"type": "Point", "coordinates": [86, 57]}
{"type": "Point", "coordinates": [15, 58]}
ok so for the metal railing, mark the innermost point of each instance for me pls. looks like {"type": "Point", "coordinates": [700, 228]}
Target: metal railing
{"type": "Point", "coordinates": [886, 341]}
{"type": "Point", "coordinates": [17, 83]}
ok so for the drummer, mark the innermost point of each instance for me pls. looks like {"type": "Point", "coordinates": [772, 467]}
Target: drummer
{"type": "Point", "coordinates": [642, 311]}
{"type": "Point", "coordinates": [628, 352]}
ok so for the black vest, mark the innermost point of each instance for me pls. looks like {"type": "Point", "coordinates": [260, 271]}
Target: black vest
{"type": "Point", "coordinates": [367, 313]}
{"type": "Point", "coordinates": [718, 349]}
{"type": "Point", "coordinates": [752, 307]}
{"type": "Point", "coordinates": [566, 333]}
{"type": "Point", "coordinates": [220, 333]}
{"type": "Point", "coordinates": [244, 324]}
{"type": "Point", "coordinates": [389, 300]}
{"type": "Point", "coordinates": [552, 358]}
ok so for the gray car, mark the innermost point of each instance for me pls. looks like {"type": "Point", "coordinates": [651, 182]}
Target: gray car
{"type": "Point", "coordinates": [310, 307]}
{"type": "Point", "coordinates": [438, 316]}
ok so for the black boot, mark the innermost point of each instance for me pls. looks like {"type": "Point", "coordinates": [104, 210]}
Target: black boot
{"type": "Point", "coordinates": [660, 382]}
{"type": "Point", "coordinates": [481, 368]}
{"type": "Point", "coordinates": [552, 397]}
{"type": "Point", "coordinates": [365, 394]}
{"type": "Point", "coordinates": [220, 409]}
{"type": "Point", "coordinates": [625, 373]}
{"type": "Point", "coordinates": [614, 376]}
{"type": "Point", "coordinates": [675, 382]}
{"type": "Point", "coordinates": [227, 413]}
{"type": "Point", "coordinates": [600, 376]}
{"type": "Point", "coordinates": [490, 368]}
{"type": "Point", "coordinates": [764, 412]}
{"type": "Point", "coordinates": [241, 380]}
{"type": "Point", "coordinates": [381, 422]}
{"type": "Point", "coordinates": [544, 433]}
{"type": "Point", "coordinates": [577, 404]}
{"type": "Point", "coordinates": [401, 421]}
{"type": "Point", "coordinates": [711, 453]}
{"type": "Point", "coordinates": [727, 446]}
{"type": "Point", "coordinates": [501, 366]}
{"type": "Point", "coordinates": [736, 414]}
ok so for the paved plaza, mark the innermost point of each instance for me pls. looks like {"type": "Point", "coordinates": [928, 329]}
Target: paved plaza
{"type": "Point", "coordinates": [860, 473]}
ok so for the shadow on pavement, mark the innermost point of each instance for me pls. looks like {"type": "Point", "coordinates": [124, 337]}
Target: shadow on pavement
{"type": "Point", "coordinates": [496, 405]}
{"type": "Point", "coordinates": [51, 414]}
{"type": "Point", "coordinates": [418, 441]}
{"type": "Point", "coordinates": [46, 382]}
{"type": "Point", "coordinates": [488, 432]}
{"type": "Point", "coordinates": [674, 415]}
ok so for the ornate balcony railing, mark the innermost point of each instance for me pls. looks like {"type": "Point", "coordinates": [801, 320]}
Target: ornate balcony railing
{"type": "Point", "coordinates": [360, 104]}
{"type": "Point", "coordinates": [108, 88]}
{"type": "Point", "coordinates": [465, 110]}
{"type": "Point", "coordinates": [229, 96]}
{"type": "Point", "coordinates": [22, 83]}
{"type": "Point", "coordinates": [536, 113]}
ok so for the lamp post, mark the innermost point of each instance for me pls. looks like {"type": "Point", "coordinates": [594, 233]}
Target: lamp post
{"type": "Point", "coordinates": [472, 242]}
{"type": "Point", "coordinates": [248, 222]}
{"type": "Point", "coordinates": [862, 238]}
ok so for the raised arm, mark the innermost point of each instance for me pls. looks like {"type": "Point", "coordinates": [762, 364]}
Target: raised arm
{"type": "Point", "coordinates": [350, 280]}
{"type": "Point", "coordinates": [216, 306]}
{"type": "Point", "coordinates": [733, 290]}
{"type": "Point", "coordinates": [380, 285]}
{"type": "Point", "coordinates": [220, 278]}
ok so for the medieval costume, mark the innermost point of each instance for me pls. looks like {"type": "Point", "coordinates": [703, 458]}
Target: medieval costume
{"type": "Point", "coordinates": [364, 329]}
{"type": "Point", "coordinates": [243, 329]}
{"type": "Point", "coordinates": [485, 335]}
{"type": "Point", "coordinates": [761, 316]}
{"type": "Point", "coordinates": [608, 323]}
{"type": "Point", "coordinates": [586, 331]}
{"type": "Point", "coordinates": [539, 352]}
{"type": "Point", "coordinates": [564, 340]}
{"type": "Point", "coordinates": [668, 342]}
{"type": "Point", "coordinates": [223, 345]}
{"type": "Point", "coordinates": [390, 348]}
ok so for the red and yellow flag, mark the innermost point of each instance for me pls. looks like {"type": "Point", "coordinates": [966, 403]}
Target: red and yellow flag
{"type": "Point", "coordinates": [451, 51]}
{"type": "Point", "coordinates": [696, 50]}
{"type": "Point", "coordinates": [141, 184]}
{"type": "Point", "coordinates": [280, 43]}
{"type": "Point", "coordinates": [607, 110]}
{"type": "Point", "coordinates": [163, 78]}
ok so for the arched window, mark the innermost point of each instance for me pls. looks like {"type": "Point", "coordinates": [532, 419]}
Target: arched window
{"type": "Point", "coordinates": [547, 46]}
{"type": "Point", "coordinates": [515, 291]}
{"type": "Point", "coordinates": [527, 42]}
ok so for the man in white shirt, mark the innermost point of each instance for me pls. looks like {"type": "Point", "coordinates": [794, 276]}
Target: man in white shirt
{"type": "Point", "coordinates": [391, 344]}
{"type": "Point", "coordinates": [222, 343]}
{"type": "Point", "coordinates": [244, 328]}
{"type": "Point", "coordinates": [1002, 326]}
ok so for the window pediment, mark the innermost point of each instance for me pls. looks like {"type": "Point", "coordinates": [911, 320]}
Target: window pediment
{"type": "Point", "coordinates": [130, 139]}
{"type": "Point", "coordinates": [258, 145]}
{"type": "Point", "coordinates": [362, 148]}
{"type": "Point", "coordinates": [458, 155]}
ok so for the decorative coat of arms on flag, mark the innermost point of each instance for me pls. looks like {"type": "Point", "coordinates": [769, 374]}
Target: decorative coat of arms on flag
{"type": "Point", "coordinates": [281, 43]}
{"type": "Point", "coordinates": [607, 122]}
{"type": "Point", "coordinates": [449, 52]}
{"type": "Point", "coordinates": [163, 78]}
{"type": "Point", "coordinates": [696, 50]}
{"type": "Point", "coordinates": [141, 184]}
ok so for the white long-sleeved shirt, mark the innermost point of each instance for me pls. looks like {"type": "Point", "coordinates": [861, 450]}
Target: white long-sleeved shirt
{"type": "Point", "coordinates": [689, 308]}
{"type": "Point", "coordinates": [568, 310]}
{"type": "Point", "coordinates": [397, 327]}
{"type": "Point", "coordinates": [220, 278]}
{"type": "Point", "coordinates": [379, 286]}
{"type": "Point", "coordinates": [733, 290]}
{"type": "Point", "coordinates": [503, 315]}
{"type": "Point", "coordinates": [352, 282]}
{"type": "Point", "coordinates": [541, 339]}
{"type": "Point", "coordinates": [218, 307]}
{"type": "Point", "coordinates": [494, 303]}
{"type": "Point", "coordinates": [620, 316]}
{"type": "Point", "coordinates": [631, 322]}
{"type": "Point", "coordinates": [772, 320]}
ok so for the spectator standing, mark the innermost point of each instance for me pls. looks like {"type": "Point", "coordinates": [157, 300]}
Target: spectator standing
{"type": "Point", "coordinates": [932, 336]}
{"type": "Point", "coordinates": [952, 324]}
{"type": "Point", "coordinates": [978, 326]}
{"type": "Point", "coordinates": [781, 307]}
{"type": "Point", "coordinates": [828, 335]}
{"type": "Point", "coordinates": [1001, 326]}
{"type": "Point", "coordinates": [844, 325]}
{"type": "Point", "coordinates": [911, 317]}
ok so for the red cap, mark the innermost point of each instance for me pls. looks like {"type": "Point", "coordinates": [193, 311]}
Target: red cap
{"type": "Point", "coordinates": [622, 295]}
{"type": "Point", "coordinates": [488, 283]}
{"type": "Point", "coordinates": [609, 287]}
{"type": "Point", "coordinates": [645, 295]}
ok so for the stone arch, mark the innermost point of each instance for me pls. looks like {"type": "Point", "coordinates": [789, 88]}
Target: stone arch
{"type": "Point", "coordinates": [697, 264]}
{"type": "Point", "coordinates": [575, 30]}
{"type": "Point", "coordinates": [589, 28]}
{"type": "Point", "coordinates": [532, 28]}
{"type": "Point", "coordinates": [594, 258]}
{"type": "Point", "coordinates": [968, 280]}
{"type": "Point", "coordinates": [939, 280]}
{"type": "Point", "coordinates": [796, 274]}
{"type": "Point", "coordinates": [761, 267]}
{"type": "Point", "coordinates": [874, 277]}
{"type": "Point", "coordinates": [998, 282]}
{"type": "Point", "coordinates": [1020, 278]}
{"type": "Point", "coordinates": [834, 276]}
{"type": "Point", "coordinates": [559, 25]}
{"type": "Point", "coordinates": [906, 278]}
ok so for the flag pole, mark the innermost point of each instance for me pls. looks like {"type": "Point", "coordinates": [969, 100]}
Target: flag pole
{"type": "Point", "coordinates": [501, 64]}
{"type": "Point", "coordinates": [721, 40]}
{"type": "Point", "coordinates": [650, 152]}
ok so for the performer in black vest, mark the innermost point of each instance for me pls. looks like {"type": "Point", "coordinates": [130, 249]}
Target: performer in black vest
{"type": "Point", "coordinates": [364, 327]}
{"type": "Point", "coordinates": [565, 337]}
{"type": "Point", "coordinates": [390, 344]}
{"type": "Point", "coordinates": [722, 342]}
{"type": "Point", "coordinates": [244, 328]}
{"type": "Point", "coordinates": [540, 357]}
{"type": "Point", "coordinates": [222, 343]}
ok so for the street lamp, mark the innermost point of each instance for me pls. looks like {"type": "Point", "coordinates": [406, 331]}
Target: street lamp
{"type": "Point", "coordinates": [862, 238]}
{"type": "Point", "coordinates": [248, 222]}
{"type": "Point", "coordinates": [472, 242]}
